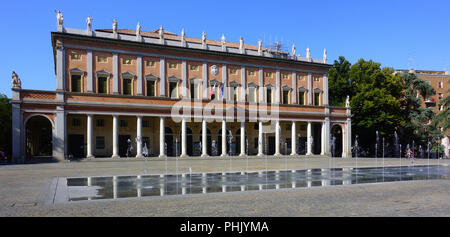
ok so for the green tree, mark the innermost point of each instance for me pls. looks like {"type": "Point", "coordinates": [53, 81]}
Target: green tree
{"type": "Point", "coordinates": [338, 82]}
{"type": "Point", "coordinates": [442, 119]}
{"type": "Point", "coordinates": [417, 117]}
{"type": "Point", "coordinates": [376, 103]}
{"type": "Point", "coordinates": [5, 124]}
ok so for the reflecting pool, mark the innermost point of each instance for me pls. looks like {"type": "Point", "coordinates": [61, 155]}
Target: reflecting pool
{"type": "Point", "coordinates": [114, 187]}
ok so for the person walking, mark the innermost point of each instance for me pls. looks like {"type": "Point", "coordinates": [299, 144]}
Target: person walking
{"type": "Point", "coordinates": [410, 155]}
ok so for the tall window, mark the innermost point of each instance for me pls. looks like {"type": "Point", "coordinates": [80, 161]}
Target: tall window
{"type": "Point", "coordinates": [127, 86]}
{"type": "Point", "coordinates": [269, 95]}
{"type": "Point", "coordinates": [102, 85]}
{"type": "Point", "coordinates": [173, 89]}
{"type": "Point", "coordinates": [234, 93]}
{"type": "Point", "coordinates": [301, 98]}
{"type": "Point", "coordinates": [252, 94]}
{"type": "Point", "coordinates": [194, 90]}
{"type": "Point", "coordinates": [151, 88]}
{"type": "Point", "coordinates": [285, 97]}
{"type": "Point", "coordinates": [316, 98]}
{"type": "Point", "coordinates": [76, 83]}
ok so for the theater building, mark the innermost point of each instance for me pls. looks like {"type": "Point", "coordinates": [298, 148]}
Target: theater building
{"type": "Point", "coordinates": [172, 95]}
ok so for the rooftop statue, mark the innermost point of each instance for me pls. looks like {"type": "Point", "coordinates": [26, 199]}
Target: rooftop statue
{"type": "Point", "coordinates": [259, 46]}
{"type": "Point", "coordinates": [223, 40]}
{"type": "Point", "coordinates": [325, 55]}
{"type": "Point", "coordinates": [203, 38]}
{"type": "Point", "coordinates": [308, 53]}
{"type": "Point", "coordinates": [59, 18]}
{"type": "Point", "coordinates": [138, 29]}
{"type": "Point", "coordinates": [16, 83]}
{"type": "Point", "coordinates": [161, 32]}
{"type": "Point", "coordinates": [347, 101]}
{"type": "Point", "coordinates": [89, 23]}
{"type": "Point", "coordinates": [115, 26]}
{"type": "Point", "coordinates": [241, 43]}
{"type": "Point", "coordinates": [293, 50]}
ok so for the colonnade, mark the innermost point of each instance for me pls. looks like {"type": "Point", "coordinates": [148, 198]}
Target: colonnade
{"type": "Point", "coordinates": [325, 138]}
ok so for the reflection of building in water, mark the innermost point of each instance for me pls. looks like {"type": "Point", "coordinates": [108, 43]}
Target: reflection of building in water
{"type": "Point", "coordinates": [115, 84]}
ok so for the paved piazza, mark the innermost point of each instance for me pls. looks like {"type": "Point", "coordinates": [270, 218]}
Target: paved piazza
{"type": "Point", "coordinates": [26, 190]}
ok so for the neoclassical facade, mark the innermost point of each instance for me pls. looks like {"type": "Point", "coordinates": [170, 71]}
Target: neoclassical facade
{"type": "Point", "coordinates": [171, 95]}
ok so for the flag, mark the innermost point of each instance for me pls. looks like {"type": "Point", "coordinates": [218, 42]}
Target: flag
{"type": "Point", "coordinates": [212, 91]}
{"type": "Point", "coordinates": [221, 91]}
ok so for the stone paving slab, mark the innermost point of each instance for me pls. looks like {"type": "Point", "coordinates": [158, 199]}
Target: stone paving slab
{"type": "Point", "coordinates": [24, 190]}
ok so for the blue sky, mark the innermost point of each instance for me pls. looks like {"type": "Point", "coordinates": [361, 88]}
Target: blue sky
{"type": "Point", "coordinates": [399, 34]}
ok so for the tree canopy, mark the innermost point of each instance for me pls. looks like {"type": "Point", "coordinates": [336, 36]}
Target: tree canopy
{"type": "Point", "coordinates": [384, 101]}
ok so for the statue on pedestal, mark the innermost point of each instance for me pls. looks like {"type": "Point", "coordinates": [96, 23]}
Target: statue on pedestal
{"type": "Point", "coordinates": [347, 101]}
{"type": "Point", "coordinates": [138, 29]}
{"type": "Point", "coordinates": [259, 46]}
{"type": "Point", "coordinates": [16, 83]}
{"type": "Point", "coordinates": [204, 38]}
{"type": "Point", "coordinates": [114, 26]}
{"type": "Point", "coordinates": [59, 18]}
{"type": "Point", "coordinates": [161, 32]}
{"type": "Point", "coordinates": [89, 23]}
{"type": "Point", "coordinates": [241, 44]}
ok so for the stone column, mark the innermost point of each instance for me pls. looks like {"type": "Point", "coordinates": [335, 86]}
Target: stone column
{"type": "Point", "coordinates": [310, 89]}
{"type": "Point", "coordinates": [204, 140]}
{"type": "Point", "coordinates": [115, 137]}
{"type": "Point", "coordinates": [260, 139]}
{"type": "Point", "coordinates": [322, 140]}
{"type": "Point", "coordinates": [205, 79]}
{"type": "Point", "coordinates": [242, 139]}
{"type": "Point", "coordinates": [325, 89]}
{"type": "Point", "coordinates": [309, 140]}
{"type": "Point", "coordinates": [139, 138]}
{"type": "Point", "coordinates": [139, 76]}
{"type": "Point", "coordinates": [59, 137]}
{"type": "Point", "coordinates": [277, 139]}
{"type": "Point", "coordinates": [162, 75]}
{"type": "Point", "coordinates": [184, 88]}
{"type": "Point", "coordinates": [224, 138]}
{"type": "Point", "coordinates": [348, 139]}
{"type": "Point", "coordinates": [278, 88]}
{"type": "Point", "coordinates": [183, 138]}
{"type": "Point", "coordinates": [293, 140]}
{"type": "Point", "coordinates": [294, 87]}
{"type": "Point", "coordinates": [60, 66]}
{"type": "Point", "coordinates": [17, 120]}
{"type": "Point", "coordinates": [243, 83]}
{"type": "Point", "coordinates": [261, 85]}
{"type": "Point", "coordinates": [89, 136]}
{"type": "Point", "coordinates": [327, 136]}
{"type": "Point", "coordinates": [162, 152]}
{"type": "Point", "coordinates": [90, 78]}
{"type": "Point", "coordinates": [115, 73]}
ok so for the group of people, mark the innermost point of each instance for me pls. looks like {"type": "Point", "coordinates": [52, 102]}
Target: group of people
{"type": "Point", "coordinates": [130, 149]}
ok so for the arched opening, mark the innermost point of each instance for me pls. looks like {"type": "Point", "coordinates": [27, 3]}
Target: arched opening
{"type": "Point", "coordinates": [336, 141]}
{"type": "Point", "coordinates": [39, 139]}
